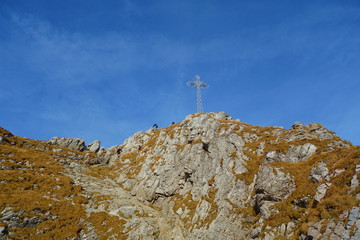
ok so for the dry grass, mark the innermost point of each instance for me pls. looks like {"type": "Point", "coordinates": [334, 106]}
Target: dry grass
{"type": "Point", "coordinates": [107, 226]}
{"type": "Point", "coordinates": [188, 203]}
{"type": "Point", "coordinates": [213, 212]}
{"type": "Point", "coordinates": [35, 183]}
{"type": "Point", "coordinates": [336, 200]}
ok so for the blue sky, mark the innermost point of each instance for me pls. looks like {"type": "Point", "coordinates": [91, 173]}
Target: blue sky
{"type": "Point", "coordinates": [107, 69]}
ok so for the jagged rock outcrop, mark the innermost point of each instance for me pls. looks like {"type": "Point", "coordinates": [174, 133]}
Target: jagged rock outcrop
{"type": "Point", "coordinates": [207, 177]}
{"type": "Point", "coordinates": [271, 185]}
{"type": "Point", "coordinates": [319, 172]}
{"type": "Point", "coordinates": [94, 146]}
{"type": "Point", "coordinates": [209, 167]}
{"type": "Point", "coordinates": [294, 154]}
{"type": "Point", "coordinates": [77, 144]}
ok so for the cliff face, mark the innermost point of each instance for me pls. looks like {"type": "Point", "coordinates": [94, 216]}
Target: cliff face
{"type": "Point", "coordinates": [207, 177]}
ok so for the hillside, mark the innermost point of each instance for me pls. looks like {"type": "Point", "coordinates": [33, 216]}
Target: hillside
{"type": "Point", "coordinates": [207, 177]}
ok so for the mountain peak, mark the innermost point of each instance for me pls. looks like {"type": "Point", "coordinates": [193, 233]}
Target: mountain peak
{"type": "Point", "coordinates": [206, 177]}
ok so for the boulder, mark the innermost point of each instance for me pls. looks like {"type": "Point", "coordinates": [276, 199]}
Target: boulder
{"type": "Point", "coordinates": [3, 232]}
{"type": "Point", "coordinates": [301, 202]}
{"type": "Point", "coordinates": [77, 144]}
{"type": "Point", "coordinates": [298, 125]}
{"type": "Point", "coordinates": [313, 233]}
{"type": "Point", "coordinates": [319, 172]}
{"type": "Point", "coordinates": [94, 146]}
{"type": "Point", "coordinates": [295, 154]}
{"type": "Point", "coordinates": [321, 191]}
{"type": "Point", "coordinates": [1, 140]}
{"type": "Point", "coordinates": [271, 185]}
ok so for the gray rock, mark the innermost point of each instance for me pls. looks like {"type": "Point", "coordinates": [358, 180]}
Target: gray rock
{"type": "Point", "coordinates": [14, 219]}
{"type": "Point", "coordinates": [319, 172]}
{"type": "Point", "coordinates": [89, 235]}
{"type": "Point", "coordinates": [203, 174]}
{"type": "Point", "coordinates": [32, 222]}
{"type": "Point", "coordinates": [313, 131]}
{"type": "Point", "coordinates": [321, 191]}
{"type": "Point", "coordinates": [314, 233]}
{"type": "Point", "coordinates": [333, 236]}
{"type": "Point", "coordinates": [300, 153]}
{"type": "Point", "coordinates": [353, 224]}
{"type": "Point", "coordinates": [77, 144]}
{"type": "Point", "coordinates": [221, 116]}
{"type": "Point", "coordinates": [290, 228]}
{"type": "Point", "coordinates": [271, 185]}
{"type": "Point", "coordinates": [94, 146]}
{"type": "Point", "coordinates": [294, 154]}
{"type": "Point", "coordinates": [301, 202]}
{"type": "Point", "coordinates": [1, 140]}
{"type": "Point", "coordinates": [3, 232]}
{"type": "Point", "coordinates": [354, 183]}
{"type": "Point", "coordinates": [298, 125]}
{"type": "Point", "coordinates": [339, 229]}
{"type": "Point", "coordinates": [264, 209]}
{"type": "Point", "coordinates": [255, 232]}
{"type": "Point", "coordinates": [97, 161]}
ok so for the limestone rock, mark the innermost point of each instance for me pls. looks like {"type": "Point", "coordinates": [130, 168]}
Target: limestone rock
{"type": "Point", "coordinates": [15, 219]}
{"type": "Point", "coordinates": [313, 131]}
{"type": "Point", "coordinates": [301, 202]}
{"type": "Point", "coordinates": [355, 181]}
{"type": "Point", "coordinates": [271, 185]}
{"type": "Point", "coordinates": [321, 191]}
{"type": "Point", "coordinates": [298, 125]}
{"type": "Point", "coordinates": [313, 233]}
{"type": "Point", "coordinates": [319, 172]}
{"type": "Point", "coordinates": [94, 146]}
{"type": "Point", "coordinates": [353, 225]}
{"type": "Point", "coordinates": [294, 154]}
{"type": "Point", "coordinates": [3, 232]}
{"type": "Point", "coordinates": [206, 177]}
{"type": "Point", "coordinates": [77, 144]}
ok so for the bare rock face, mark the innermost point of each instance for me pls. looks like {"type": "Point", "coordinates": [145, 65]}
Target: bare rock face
{"type": "Point", "coordinates": [321, 191]}
{"type": "Point", "coordinates": [354, 184]}
{"type": "Point", "coordinates": [94, 146]}
{"type": "Point", "coordinates": [294, 154]}
{"type": "Point", "coordinates": [313, 130]}
{"type": "Point", "coordinates": [77, 144]}
{"type": "Point", "coordinates": [319, 172]}
{"type": "Point", "coordinates": [206, 177]}
{"type": "Point", "coordinates": [271, 185]}
{"type": "Point", "coordinates": [204, 169]}
{"type": "Point", "coordinates": [340, 230]}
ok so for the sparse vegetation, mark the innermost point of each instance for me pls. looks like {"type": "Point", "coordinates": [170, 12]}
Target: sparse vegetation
{"type": "Point", "coordinates": [33, 182]}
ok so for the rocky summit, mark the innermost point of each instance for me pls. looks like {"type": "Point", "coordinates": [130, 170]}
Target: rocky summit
{"type": "Point", "coordinates": [207, 177]}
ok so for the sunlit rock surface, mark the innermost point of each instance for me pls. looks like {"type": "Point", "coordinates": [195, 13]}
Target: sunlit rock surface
{"type": "Point", "coordinates": [206, 177]}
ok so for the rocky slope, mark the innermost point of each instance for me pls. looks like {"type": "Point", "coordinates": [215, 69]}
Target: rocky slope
{"type": "Point", "coordinates": [207, 177]}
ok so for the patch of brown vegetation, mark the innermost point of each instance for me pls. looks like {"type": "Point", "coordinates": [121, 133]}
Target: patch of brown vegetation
{"type": "Point", "coordinates": [32, 181]}
{"type": "Point", "coordinates": [337, 198]}
{"type": "Point", "coordinates": [107, 226]}
{"type": "Point", "coordinates": [184, 203]}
